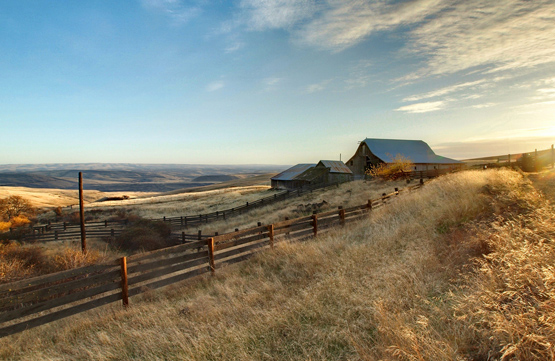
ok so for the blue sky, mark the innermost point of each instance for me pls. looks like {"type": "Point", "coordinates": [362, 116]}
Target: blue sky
{"type": "Point", "coordinates": [272, 81]}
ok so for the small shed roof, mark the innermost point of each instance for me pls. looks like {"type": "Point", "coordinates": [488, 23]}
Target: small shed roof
{"type": "Point", "coordinates": [415, 150]}
{"type": "Point", "coordinates": [291, 173]}
{"type": "Point", "coordinates": [335, 166]}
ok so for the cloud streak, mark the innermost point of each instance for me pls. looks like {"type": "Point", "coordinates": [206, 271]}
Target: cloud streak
{"type": "Point", "coordinates": [422, 107]}
{"type": "Point", "coordinates": [174, 9]}
{"type": "Point", "coordinates": [505, 35]}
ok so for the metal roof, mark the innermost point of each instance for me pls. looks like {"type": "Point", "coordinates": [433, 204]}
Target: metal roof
{"type": "Point", "coordinates": [292, 172]}
{"type": "Point", "coordinates": [415, 150]}
{"type": "Point", "coordinates": [335, 166]}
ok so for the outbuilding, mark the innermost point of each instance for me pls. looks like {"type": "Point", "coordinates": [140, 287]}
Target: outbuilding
{"type": "Point", "coordinates": [327, 172]}
{"type": "Point", "coordinates": [287, 178]}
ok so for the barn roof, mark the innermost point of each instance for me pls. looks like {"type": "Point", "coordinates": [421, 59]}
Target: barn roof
{"type": "Point", "coordinates": [292, 172]}
{"type": "Point", "coordinates": [335, 166]}
{"type": "Point", "coordinates": [415, 150]}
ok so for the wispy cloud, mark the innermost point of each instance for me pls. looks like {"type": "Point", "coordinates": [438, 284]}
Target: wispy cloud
{"type": "Point", "coordinates": [422, 107]}
{"type": "Point", "coordinates": [271, 83]}
{"type": "Point", "coordinates": [494, 35]}
{"type": "Point", "coordinates": [174, 9]}
{"type": "Point", "coordinates": [273, 14]}
{"type": "Point", "coordinates": [234, 46]}
{"type": "Point", "coordinates": [343, 23]}
{"type": "Point", "coordinates": [313, 88]}
{"type": "Point", "coordinates": [484, 105]}
{"type": "Point", "coordinates": [215, 85]}
{"type": "Point", "coordinates": [359, 76]}
{"type": "Point", "coordinates": [444, 91]}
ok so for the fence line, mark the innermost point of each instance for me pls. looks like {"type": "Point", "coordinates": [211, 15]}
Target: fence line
{"type": "Point", "coordinates": [33, 302]}
{"type": "Point", "coordinates": [62, 230]}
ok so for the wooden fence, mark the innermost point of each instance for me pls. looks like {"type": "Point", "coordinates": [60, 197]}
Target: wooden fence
{"type": "Point", "coordinates": [32, 302]}
{"type": "Point", "coordinates": [64, 230]}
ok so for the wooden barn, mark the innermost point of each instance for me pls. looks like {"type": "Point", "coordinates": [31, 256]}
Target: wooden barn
{"type": "Point", "coordinates": [372, 151]}
{"type": "Point", "coordinates": [287, 178]}
{"type": "Point", "coordinates": [327, 172]}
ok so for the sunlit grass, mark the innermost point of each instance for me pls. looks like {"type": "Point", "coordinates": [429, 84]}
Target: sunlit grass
{"type": "Point", "coordinates": [460, 270]}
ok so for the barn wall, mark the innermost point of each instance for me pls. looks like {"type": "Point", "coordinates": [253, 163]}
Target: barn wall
{"type": "Point", "coordinates": [358, 163]}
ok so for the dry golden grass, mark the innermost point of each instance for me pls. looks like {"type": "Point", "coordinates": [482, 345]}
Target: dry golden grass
{"type": "Point", "coordinates": [460, 270]}
{"type": "Point", "coordinates": [24, 261]}
{"type": "Point", "coordinates": [44, 197]}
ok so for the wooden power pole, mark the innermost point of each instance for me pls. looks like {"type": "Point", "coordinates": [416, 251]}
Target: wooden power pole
{"type": "Point", "coordinates": [82, 214]}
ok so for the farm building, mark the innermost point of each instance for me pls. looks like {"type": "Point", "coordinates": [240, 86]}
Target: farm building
{"type": "Point", "coordinates": [309, 175]}
{"type": "Point", "coordinates": [287, 178]}
{"type": "Point", "coordinates": [373, 151]}
{"type": "Point", "coordinates": [327, 172]}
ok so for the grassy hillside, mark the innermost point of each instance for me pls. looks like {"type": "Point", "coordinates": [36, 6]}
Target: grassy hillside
{"type": "Point", "coordinates": [462, 269]}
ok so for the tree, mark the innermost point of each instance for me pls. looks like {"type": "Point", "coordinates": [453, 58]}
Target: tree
{"type": "Point", "coordinates": [14, 206]}
{"type": "Point", "coordinates": [399, 167]}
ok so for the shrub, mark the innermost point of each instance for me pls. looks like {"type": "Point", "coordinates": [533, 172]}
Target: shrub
{"type": "Point", "coordinates": [144, 235]}
{"type": "Point", "coordinates": [73, 257]}
{"type": "Point", "coordinates": [14, 206]}
{"type": "Point", "coordinates": [399, 167]}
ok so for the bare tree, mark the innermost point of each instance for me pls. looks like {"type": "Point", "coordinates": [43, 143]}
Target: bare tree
{"type": "Point", "coordinates": [14, 206]}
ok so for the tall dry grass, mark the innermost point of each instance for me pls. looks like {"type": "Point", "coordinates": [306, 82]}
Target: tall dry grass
{"type": "Point", "coordinates": [461, 270]}
{"type": "Point", "coordinates": [24, 261]}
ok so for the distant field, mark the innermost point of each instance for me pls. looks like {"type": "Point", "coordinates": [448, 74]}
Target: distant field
{"type": "Point", "coordinates": [52, 197]}
{"type": "Point", "coordinates": [130, 177]}
{"type": "Point", "coordinates": [47, 197]}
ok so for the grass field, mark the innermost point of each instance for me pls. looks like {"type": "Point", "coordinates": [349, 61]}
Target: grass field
{"type": "Point", "coordinates": [460, 270]}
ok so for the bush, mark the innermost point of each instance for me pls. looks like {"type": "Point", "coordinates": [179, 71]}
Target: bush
{"type": "Point", "coordinates": [14, 206]}
{"type": "Point", "coordinates": [399, 167]}
{"type": "Point", "coordinates": [144, 235]}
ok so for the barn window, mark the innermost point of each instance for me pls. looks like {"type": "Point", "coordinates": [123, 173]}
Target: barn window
{"type": "Point", "coordinates": [351, 163]}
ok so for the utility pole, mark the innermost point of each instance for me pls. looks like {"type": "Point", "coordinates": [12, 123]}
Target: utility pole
{"type": "Point", "coordinates": [82, 214]}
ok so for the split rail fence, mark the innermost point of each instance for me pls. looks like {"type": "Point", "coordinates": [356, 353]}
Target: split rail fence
{"type": "Point", "coordinates": [33, 302]}
{"type": "Point", "coordinates": [107, 228]}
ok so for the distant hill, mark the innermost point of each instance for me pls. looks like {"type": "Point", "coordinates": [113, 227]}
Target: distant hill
{"type": "Point", "coordinates": [34, 180]}
{"type": "Point", "coordinates": [215, 178]}
{"type": "Point", "coordinates": [127, 177]}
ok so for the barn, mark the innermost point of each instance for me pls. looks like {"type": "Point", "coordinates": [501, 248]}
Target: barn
{"type": "Point", "coordinates": [372, 151]}
{"type": "Point", "coordinates": [327, 172]}
{"type": "Point", "coordinates": [287, 178]}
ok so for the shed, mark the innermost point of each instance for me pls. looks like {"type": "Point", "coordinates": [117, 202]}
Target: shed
{"type": "Point", "coordinates": [287, 178]}
{"type": "Point", "coordinates": [372, 151]}
{"type": "Point", "coordinates": [327, 172]}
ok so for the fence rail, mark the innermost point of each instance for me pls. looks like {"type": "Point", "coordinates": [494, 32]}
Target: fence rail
{"type": "Point", "coordinates": [33, 302]}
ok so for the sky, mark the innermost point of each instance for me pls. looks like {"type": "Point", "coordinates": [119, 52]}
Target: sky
{"type": "Point", "coordinates": [272, 81]}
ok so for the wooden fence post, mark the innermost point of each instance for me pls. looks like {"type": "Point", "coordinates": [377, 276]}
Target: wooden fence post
{"type": "Point", "coordinates": [182, 237]}
{"type": "Point", "coordinates": [271, 235]}
{"type": "Point", "coordinates": [112, 232]}
{"type": "Point", "coordinates": [199, 234]}
{"type": "Point", "coordinates": [82, 215]}
{"type": "Point", "coordinates": [124, 284]}
{"type": "Point", "coordinates": [210, 243]}
{"type": "Point", "coordinates": [315, 223]}
{"type": "Point", "coordinates": [341, 215]}
{"type": "Point", "coordinates": [55, 234]}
